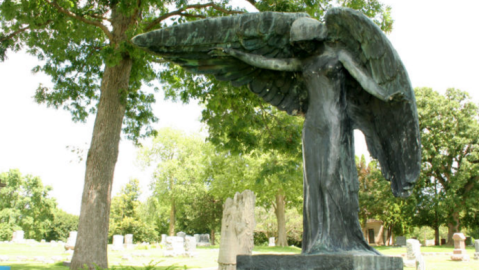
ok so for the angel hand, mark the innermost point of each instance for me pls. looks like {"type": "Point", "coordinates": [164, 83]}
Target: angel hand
{"type": "Point", "coordinates": [397, 96]}
{"type": "Point", "coordinates": [218, 52]}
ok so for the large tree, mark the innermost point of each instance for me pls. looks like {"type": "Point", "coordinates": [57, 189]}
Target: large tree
{"type": "Point", "coordinates": [85, 47]}
{"type": "Point", "coordinates": [450, 154]}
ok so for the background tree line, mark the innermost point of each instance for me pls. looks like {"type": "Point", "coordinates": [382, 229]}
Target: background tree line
{"type": "Point", "coordinates": [193, 177]}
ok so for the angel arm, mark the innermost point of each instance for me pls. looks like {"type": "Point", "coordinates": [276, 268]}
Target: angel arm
{"type": "Point", "coordinates": [285, 64]}
{"type": "Point", "coordinates": [364, 80]}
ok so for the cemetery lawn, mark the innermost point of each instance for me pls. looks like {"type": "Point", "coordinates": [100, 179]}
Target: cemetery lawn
{"type": "Point", "coordinates": [207, 257]}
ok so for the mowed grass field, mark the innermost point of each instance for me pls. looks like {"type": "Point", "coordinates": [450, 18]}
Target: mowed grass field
{"type": "Point", "coordinates": [206, 258]}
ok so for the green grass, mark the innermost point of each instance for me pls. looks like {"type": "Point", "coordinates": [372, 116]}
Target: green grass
{"type": "Point", "coordinates": [207, 257]}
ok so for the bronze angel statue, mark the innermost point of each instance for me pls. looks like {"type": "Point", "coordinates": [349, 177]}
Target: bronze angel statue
{"type": "Point", "coordinates": [341, 74]}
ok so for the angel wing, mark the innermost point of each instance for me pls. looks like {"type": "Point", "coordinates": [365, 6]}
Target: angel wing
{"type": "Point", "coordinates": [265, 34]}
{"type": "Point", "coordinates": [391, 128]}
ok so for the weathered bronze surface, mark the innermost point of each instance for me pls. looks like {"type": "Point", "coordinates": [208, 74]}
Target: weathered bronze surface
{"type": "Point", "coordinates": [341, 75]}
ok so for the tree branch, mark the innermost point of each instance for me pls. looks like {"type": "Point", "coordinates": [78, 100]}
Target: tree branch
{"type": "Point", "coordinates": [21, 30]}
{"type": "Point", "coordinates": [180, 12]}
{"type": "Point", "coordinates": [82, 19]}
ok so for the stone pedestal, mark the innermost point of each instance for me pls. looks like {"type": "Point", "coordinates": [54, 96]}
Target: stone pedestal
{"type": "Point", "coordinates": [459, 253]}
{"type": "Point", "coordinates": [318, 262]}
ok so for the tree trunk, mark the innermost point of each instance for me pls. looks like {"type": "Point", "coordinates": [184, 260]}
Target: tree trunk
{"type": "Point", "coordinates": [281, 219]}
{"type": "Point", "coordinates": [453, 227]}
{"type": "Point", "coordinates": [92, 241]}
{"type": "Point", "coordinates": [171, 228]}
{"type": "Point", "coordinates": [437, 241]}
{"type": "Point", "coordinates": [389, 235]}
{"type": "Point", "coordinates": [91, 245]}
{"type": "Point", "coordinates": [212, 237]}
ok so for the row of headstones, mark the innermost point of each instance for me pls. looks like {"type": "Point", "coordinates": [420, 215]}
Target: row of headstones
{"type": "Point", "coordinates": [118, 243]}
{"type": "Point", "coordinates": [401, 241]}
{"type": "Point", "coordinates": [202, 240]}
{"type": "Point", "coordinates": [414, 257]}
{"type": "Point", "coordinates": [179, 246]}
{"type": "Point", "coordinates": [18, 237]}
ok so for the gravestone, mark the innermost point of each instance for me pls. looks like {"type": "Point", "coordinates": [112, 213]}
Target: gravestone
{"type": "Point", "coordinates": [414, 257]}
{"type": "Point", "coordinates": [71, 241]}
{"type": "Point", "coordinates": [182, 235]}
{"type": "Point", "coordinates": [459, 253]}
{"type": "Point", "coordinates": [163, 239]}
{"type": "Point", "coordinates": [117, 242]}
{"type": "Point", "coordinates": [18, 237]}
{"type": "Point", "coordinates": [469, 241]}
{"type": "Point", "coordinates": [129, 241]}
{"type": "Point", "coordinates": [271, 242]}
{"type": "Point", "coordinates": [237, 227]}
{"type": "Point", "coordinates": [174, 246]}
{"type": "Point", "coordinates": [476, 254]}
{"type": "Point", "coordinates": [197, 238]}
{"type": "Point", "coordinates": [204, 240]}
{"type": "Point", "coordinates": [443, 241]}
{"type": "Point", "coordinates": [190, 246]}
{"type": "Point", "coordinates": [430, 242]}
{"type": "Point", "coordinates": [400, 241]}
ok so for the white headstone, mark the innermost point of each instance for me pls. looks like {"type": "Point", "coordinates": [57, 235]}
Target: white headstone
{"type": "Point", "coordinates": [197, 238]}
{"type": "Point", "coordinates": [190, 246]}
{"type": "Point", "coordinates": [414, 257]}
{"type": "Point", "coordinates": [129, 240]}
{"type": "Point", "coordinates": [117, 242]}
{"type": "Point", "coordinates": [71, 241]}
{"type": "Point", "coordinates": [18, 237]}
{"type": "Point", "coordinates": [163, 239]}
{"type": "Point", "coordinates": [175, 246]}
{"type": "Point", "coordinates": [271, 242]}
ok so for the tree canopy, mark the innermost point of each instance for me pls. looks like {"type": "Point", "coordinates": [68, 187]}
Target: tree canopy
{"type": "Point", "coordinates": [450, 149]}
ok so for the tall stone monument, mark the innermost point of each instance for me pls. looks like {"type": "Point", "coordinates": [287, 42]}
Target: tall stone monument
{"type": "Point", "coordinates": [237, 228]}
{"type": "Point", "coordinates": [340, 73]}
{"type": "Point", "coordinates": [459, 253]}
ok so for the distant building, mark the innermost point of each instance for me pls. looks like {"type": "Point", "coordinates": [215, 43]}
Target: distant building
{"type": "Point", "coordinates": [374, 233]}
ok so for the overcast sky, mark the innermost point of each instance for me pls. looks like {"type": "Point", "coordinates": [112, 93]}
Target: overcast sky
{"type": "Point", "coordinates": [437, 41]}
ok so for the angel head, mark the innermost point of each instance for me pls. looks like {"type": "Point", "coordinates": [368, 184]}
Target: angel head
{"type": "Point", "coordinates": [307, 34]}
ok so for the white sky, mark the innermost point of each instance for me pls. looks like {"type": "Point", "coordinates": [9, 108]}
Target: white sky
{"type": "Point", "coordinates": [436, 39]}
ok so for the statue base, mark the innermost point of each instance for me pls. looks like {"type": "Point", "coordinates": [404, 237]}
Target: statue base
{"type": "Point", "coordinates": [318, 262]}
